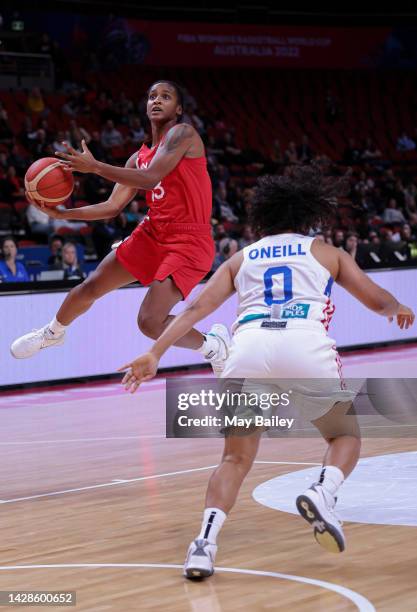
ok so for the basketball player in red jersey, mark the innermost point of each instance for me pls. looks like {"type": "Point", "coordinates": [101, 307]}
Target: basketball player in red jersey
{"type": "Point", "coordinates": [171, 250]}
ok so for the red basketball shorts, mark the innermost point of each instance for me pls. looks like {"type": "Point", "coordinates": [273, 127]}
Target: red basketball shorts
{"type": "Point", "coordinates": [154, 251]}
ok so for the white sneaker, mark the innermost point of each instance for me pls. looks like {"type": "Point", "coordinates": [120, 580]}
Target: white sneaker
{"type": "Point", "coordinates": [316, 506]}
{"type": "Point", "coordinates": [218, 359]}
{"type": "Point", "coordinates": [199, 562]}
{"type": "Point", "coordinates": [30, 344]}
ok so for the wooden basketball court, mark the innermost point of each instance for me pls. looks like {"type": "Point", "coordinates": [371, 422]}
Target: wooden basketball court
{"type": "Point", "coordinates": [95, 499]}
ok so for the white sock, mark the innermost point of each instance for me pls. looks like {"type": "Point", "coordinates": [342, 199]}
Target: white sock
{"type": "Point", "coordinates": [56, 328]}
{"type": "Point", "coordinates": [331, 478]}
{"type": "Point", "coordinates": [213, 520]}
{"type": "Point", "coordinates": [210, 346]}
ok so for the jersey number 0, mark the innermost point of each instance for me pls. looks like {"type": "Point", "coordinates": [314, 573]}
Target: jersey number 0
{"type": "Point", "coordinates": [286, 274]}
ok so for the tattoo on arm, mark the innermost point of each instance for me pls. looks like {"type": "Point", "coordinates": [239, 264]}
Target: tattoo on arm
{"type": "Point", "coordinates": [178, 135]}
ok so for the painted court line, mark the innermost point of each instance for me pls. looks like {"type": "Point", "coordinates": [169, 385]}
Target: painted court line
{"type": "Point", "coordinates": [116, 482]}
{"type": "Point", "coordinates": [362, 604]}
{"type": "Point", "coordinates": [70, 440]}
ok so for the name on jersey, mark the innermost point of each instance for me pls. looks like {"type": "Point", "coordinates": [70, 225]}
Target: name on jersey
{"type": "Point", "coordinates": [278, 250]}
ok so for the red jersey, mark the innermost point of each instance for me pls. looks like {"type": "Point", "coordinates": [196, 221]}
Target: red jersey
{"type": "Point", "coordinates": [175, 239]}
{"type": "Point", "coordinates": [184, 195]}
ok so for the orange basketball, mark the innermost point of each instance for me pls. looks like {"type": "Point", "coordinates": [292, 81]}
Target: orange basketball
{"type": "Point", "coordinates": [47, 181]}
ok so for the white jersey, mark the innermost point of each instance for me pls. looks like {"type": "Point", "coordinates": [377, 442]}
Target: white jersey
{"type": "Point", "coordinates": [280, 279]}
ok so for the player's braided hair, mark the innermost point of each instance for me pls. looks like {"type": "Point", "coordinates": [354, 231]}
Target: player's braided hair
{"type": "Point", "coordinates": [302, 199]}
{"type": "Point", "coordinates": [178, 91]}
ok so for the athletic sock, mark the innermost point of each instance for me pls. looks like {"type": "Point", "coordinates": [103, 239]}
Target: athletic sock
{"type": "Point", "coordinates": [213, 520]}
{"type": "Point", "coordinates": [56, 328]}
{"type": "Point", "coordinates": [331, 478]}
{"type": "Point", "coordinates": [210, 346]}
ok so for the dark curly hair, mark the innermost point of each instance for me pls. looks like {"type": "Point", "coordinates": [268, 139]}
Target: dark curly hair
{"type": "Point", "coordinates": [297, 202]}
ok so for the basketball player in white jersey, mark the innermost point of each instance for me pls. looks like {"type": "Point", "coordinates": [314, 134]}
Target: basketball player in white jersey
{"type": "Point", "coordinates": [283, 283]}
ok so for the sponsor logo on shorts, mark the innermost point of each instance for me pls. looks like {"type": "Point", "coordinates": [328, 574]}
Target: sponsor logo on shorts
{"type": "Point", "coordinates": [295, 311]}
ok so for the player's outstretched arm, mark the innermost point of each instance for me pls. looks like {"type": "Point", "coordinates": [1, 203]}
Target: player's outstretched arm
{"type": "Point", "coordinates": [217, 290]}
{"type": "Point", "coordinates": [374, 297]}
{"type": "Point", "coordinates": [118, 199]}
{"type": "Point", "coordinates": [179, 139]}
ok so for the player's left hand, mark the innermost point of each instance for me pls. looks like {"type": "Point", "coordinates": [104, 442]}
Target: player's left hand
{"type": "Point", "coordinates": [77, 161]}
{"type": "Point", "coordinates": [140, 370]}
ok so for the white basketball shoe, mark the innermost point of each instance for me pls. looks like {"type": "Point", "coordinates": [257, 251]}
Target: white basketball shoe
{"type": "Point", "coordinates": [218, 358]}
{"type": "Point", "coordinates": [316, 506]}
{"type": "Point", "coordinates": [199, 562]}
{"type": "Point", "coordinates": [31, 343]}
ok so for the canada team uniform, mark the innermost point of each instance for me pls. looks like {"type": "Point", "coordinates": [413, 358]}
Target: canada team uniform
{"type": "Point", "coordinates": [175, 237]}
{"type": "Point", "coordinates": [284, 312]}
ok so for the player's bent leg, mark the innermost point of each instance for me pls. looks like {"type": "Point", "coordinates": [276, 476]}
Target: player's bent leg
{"type": "Point", "coordinates": [317, 504]}
{"type": "Point", "coordinates": [154, 317]}
{"type": "Point", "coordinates": [223, 488]}
{"type": "Point", "coordinates": [109, 275]}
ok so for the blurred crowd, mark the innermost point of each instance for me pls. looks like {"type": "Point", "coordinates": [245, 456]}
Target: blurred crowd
{"type": "Point", "coordinates": [376, 223]}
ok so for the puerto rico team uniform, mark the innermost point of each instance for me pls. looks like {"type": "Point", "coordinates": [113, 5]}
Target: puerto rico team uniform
{"type": "Point", "coordinates": [175, 237]}
{"type": "Point", "coordinates": [284, 311]}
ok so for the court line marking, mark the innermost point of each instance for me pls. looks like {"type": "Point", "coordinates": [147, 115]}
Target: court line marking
{"type": "Point", "coordinates": [117, 482]}
{"type": "Point", "coordinates": [362, 604]}
{"type": "Point", "coordinates": [26, 442]}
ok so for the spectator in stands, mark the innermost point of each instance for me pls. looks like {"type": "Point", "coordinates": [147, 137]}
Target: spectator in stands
{"type": "Point", "coordinates": [96, 147]}
{"type": "Point", "coordinates": [352, 154]}
{"type": "Point", "coordinates": [410, 240]}
{"type": "Point", "coordinates": [136, 132]}
{"type": "Point", "coordinates": [39, 145]}
{"type": "Point", "coordinates": [405, 143]}
{"type": "Point", "coordinates": [227, 248]}
{"type": "Point", "coordinates": [191, 117]}
{"type": "Point", "coordinates": [110, 137]}
{"type": "Point", "coordinates": [291, 154]}
{"type": "Point", "coordinates": [6, 132]}
{"type": "Point", "coordinates": [39, 222]}
{"type": "Point", "coordinates": [58, 144]}
{"type": "Point", "coordinates": [232, 153]}
{"type": "Point", "coordinates": [77, 134]}
{"type": "Point", "coordinates": [56, 243]}
{"type": "Point", "coordinates": [70, 262]}
{"type": "Point", "coordinates": [223, 209]}
{"type": "Point", "coordinates": [338, 238]}
{"type": "Point", "coordinates": [219, 232]}
{"type": "Point", "coordinates": [392, 214]}
{"type": "Point", "coordinates": [320, 236]}
{"type": "Point", "coordinates": [124, 108]}
{"type": "Point", "coordinates": [12, 187]}
{"type": "Point", "coordinates": [35, 102]}
{"type": "Point", "coordinates": [304, 151]}
{"type": "Point", "coordinates": [17, 160]}
{"type": "Point", "coordinates": [11, 271]}
{"type": "Point", "coordinates": [371, 152]}
{"type": "Point", "coordinates": [96, 189]}
{"type": "Point", "coordinates": [248, 237]}
{"type": "Point", "coordinates": [351, 246]}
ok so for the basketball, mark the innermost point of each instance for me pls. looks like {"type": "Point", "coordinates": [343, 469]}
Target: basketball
{"type": "Point", "coordinates": [47, 181]}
